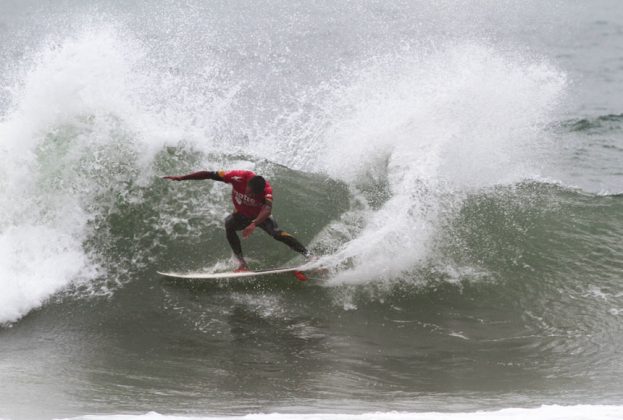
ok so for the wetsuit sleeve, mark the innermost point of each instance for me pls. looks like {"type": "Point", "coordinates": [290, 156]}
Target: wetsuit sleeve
{"type": "Point", "coordinates": [214, 175]}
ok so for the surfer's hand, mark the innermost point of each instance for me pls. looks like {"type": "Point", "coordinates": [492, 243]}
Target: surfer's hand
{"type": "Point", "coordinates": [248, 230]}
{"type": "Point", "coordinates": [173, 178]}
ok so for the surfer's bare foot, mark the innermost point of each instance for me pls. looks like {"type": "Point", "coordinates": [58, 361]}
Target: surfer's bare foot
{"type": "Point", "coordinates": [241, 268]}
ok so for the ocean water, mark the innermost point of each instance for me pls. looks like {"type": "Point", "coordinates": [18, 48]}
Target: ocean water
{"type": "Point", "coordinates": [455, 164]}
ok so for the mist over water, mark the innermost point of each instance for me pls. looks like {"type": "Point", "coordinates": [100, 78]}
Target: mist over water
{"type": "Point", "coordinates": [456, 172]}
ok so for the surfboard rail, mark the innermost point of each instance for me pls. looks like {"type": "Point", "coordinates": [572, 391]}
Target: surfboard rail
{"type": "Point", "coordinates": [232, 275]}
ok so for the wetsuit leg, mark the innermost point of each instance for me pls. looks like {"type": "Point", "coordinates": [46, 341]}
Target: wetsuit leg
{"type": "Point", "coordinates": [235, 222]}
{"type": "Point", "coordinates": [270, 226]}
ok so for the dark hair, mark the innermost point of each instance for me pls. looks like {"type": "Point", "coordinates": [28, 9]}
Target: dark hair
{"type": "Point", "coordinates": [257, 184]}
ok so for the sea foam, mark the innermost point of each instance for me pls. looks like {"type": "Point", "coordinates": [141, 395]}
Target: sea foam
{"type": "Point", "coordinates": [546, 412]}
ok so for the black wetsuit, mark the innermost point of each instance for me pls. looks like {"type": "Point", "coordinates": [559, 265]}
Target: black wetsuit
{"type": "Point", "coordinates": [237, 221]}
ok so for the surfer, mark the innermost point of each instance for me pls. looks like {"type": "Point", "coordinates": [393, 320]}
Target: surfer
{"type": "Point", "coordinates": [252, 196]}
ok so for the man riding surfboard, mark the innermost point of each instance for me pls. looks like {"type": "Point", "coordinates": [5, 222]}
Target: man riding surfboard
{"type": "Point", "coordinates": [252, 196]}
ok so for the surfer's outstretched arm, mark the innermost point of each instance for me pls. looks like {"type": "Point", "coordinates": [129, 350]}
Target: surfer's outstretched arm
{"type": "Point", "coordinates": [214, 175]}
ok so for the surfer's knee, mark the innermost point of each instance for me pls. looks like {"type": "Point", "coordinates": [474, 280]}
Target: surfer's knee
{"type": "Point", "coordinates": [281, 235]}
{"type": "Point", "coordinates": [229, 222]}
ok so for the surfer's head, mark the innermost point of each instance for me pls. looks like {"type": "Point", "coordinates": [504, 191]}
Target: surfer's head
{"type": "Point", "coordinates": [257, 184]}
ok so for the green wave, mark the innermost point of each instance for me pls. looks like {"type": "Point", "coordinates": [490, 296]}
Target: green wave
{"type": "Point", "coordinates": [599, 124]}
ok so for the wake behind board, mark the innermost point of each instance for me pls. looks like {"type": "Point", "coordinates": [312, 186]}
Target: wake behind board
{"type": "Point", "coordinates": [232, 275]}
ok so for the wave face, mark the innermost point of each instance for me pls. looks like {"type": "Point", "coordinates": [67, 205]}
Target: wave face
{"type": "Point", "coordinates": [411, 129]}
{"type": "Point", "coordinates": [467, 208]}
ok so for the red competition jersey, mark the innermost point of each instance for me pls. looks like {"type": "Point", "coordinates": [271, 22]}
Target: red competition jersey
{"type": "Point", "coordinates": [246, 204]}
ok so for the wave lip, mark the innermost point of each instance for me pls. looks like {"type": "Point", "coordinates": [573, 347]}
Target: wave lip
{"type": "Point", "coordinates": [46, 166]}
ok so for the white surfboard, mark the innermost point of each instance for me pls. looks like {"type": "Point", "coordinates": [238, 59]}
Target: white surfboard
{"type": "Point", "coordinates": [231, 274]}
